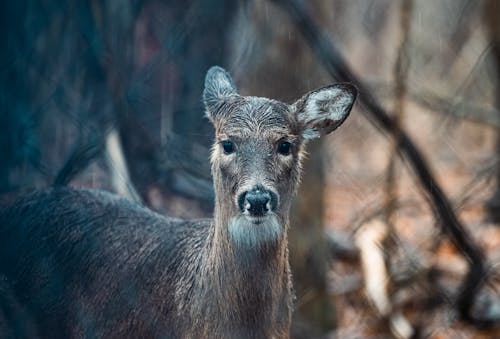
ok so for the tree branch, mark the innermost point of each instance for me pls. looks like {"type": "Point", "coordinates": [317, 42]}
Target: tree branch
{"type": "Point", "coordinates": [327, 53]}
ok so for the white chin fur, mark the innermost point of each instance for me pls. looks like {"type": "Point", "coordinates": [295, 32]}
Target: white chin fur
{"type": "Point", "coordinates": [253, 232]}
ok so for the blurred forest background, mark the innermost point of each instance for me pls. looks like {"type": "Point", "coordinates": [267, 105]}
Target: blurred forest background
{"type": "Point", "coordinates": [396, 232]}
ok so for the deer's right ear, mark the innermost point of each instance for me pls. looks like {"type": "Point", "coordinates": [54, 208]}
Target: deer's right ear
{"type": "Point", "coordinates": [218, 87]}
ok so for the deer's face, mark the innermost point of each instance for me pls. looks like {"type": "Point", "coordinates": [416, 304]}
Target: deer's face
{"type": "Point", "coordinates": [256, 156]}
{"type": "Point", "coordinates": [258, 149]}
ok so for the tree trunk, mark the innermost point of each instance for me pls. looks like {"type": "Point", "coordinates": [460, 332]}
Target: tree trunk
{"type": "Point", "coordinates": [308, 251]}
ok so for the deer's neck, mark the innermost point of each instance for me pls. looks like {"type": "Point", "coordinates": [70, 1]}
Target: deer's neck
{"type": "Point", "coordinates": [253, 282]}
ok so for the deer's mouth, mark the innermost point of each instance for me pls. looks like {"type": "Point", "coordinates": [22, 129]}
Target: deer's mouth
{"type": "Point", "coordinates": [257, 220]}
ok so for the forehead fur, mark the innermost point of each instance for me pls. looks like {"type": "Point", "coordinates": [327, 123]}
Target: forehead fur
{"type": "Point", "coordinates": [245, 115]}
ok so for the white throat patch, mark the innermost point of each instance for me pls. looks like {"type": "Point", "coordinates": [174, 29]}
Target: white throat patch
{"type": "Point", "coordinates": [249, 233]}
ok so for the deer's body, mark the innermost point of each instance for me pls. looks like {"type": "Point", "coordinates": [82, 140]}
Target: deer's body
{"type": "Point", "coordinates": [95, 265]}
{"type": "Point", "coordinates": [84, 263]}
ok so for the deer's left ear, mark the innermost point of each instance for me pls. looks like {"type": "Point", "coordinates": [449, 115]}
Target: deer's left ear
{"type": "Point", "coordinates": [323, 110]}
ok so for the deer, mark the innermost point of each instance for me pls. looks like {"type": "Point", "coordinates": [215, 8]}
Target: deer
{"type": "Point", "coordinates": [84, 263]}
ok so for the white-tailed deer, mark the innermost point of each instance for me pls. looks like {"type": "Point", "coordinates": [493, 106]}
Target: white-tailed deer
{"type": "Point", "coordinates": [85, 263]}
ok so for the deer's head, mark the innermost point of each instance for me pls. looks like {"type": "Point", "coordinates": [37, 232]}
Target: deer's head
{"type": "Point", "coordinates": [256, 157]}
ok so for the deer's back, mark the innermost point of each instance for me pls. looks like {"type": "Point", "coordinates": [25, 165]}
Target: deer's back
{"type": "Point", "coordinates": [87, 263]}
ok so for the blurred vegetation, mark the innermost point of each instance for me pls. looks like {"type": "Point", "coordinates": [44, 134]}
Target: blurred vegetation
{"type": "Point", "coordinates": [73, 71]}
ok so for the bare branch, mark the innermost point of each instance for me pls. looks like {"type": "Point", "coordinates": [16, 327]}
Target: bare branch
{"type": "Point", "coordinates": [334, 63]}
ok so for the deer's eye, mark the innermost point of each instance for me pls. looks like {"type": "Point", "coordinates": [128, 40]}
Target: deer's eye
{"type": "Point", "coordinates": [284, 148]}
{"type": "Point", "coordinates": [228, 146]}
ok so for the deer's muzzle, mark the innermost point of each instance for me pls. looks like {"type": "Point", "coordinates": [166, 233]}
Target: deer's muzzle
{"type": "Point", "coordinates": [258, 201]}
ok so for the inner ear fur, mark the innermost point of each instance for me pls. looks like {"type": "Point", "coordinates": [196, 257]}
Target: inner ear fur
{"type": "Point", "coordinates": [218, 87]}
{"type": "Point", "coordinates": [323, 110]}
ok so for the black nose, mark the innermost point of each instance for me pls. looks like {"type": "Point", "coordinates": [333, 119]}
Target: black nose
{"type": "Point", "coordinates": [257, 201]}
